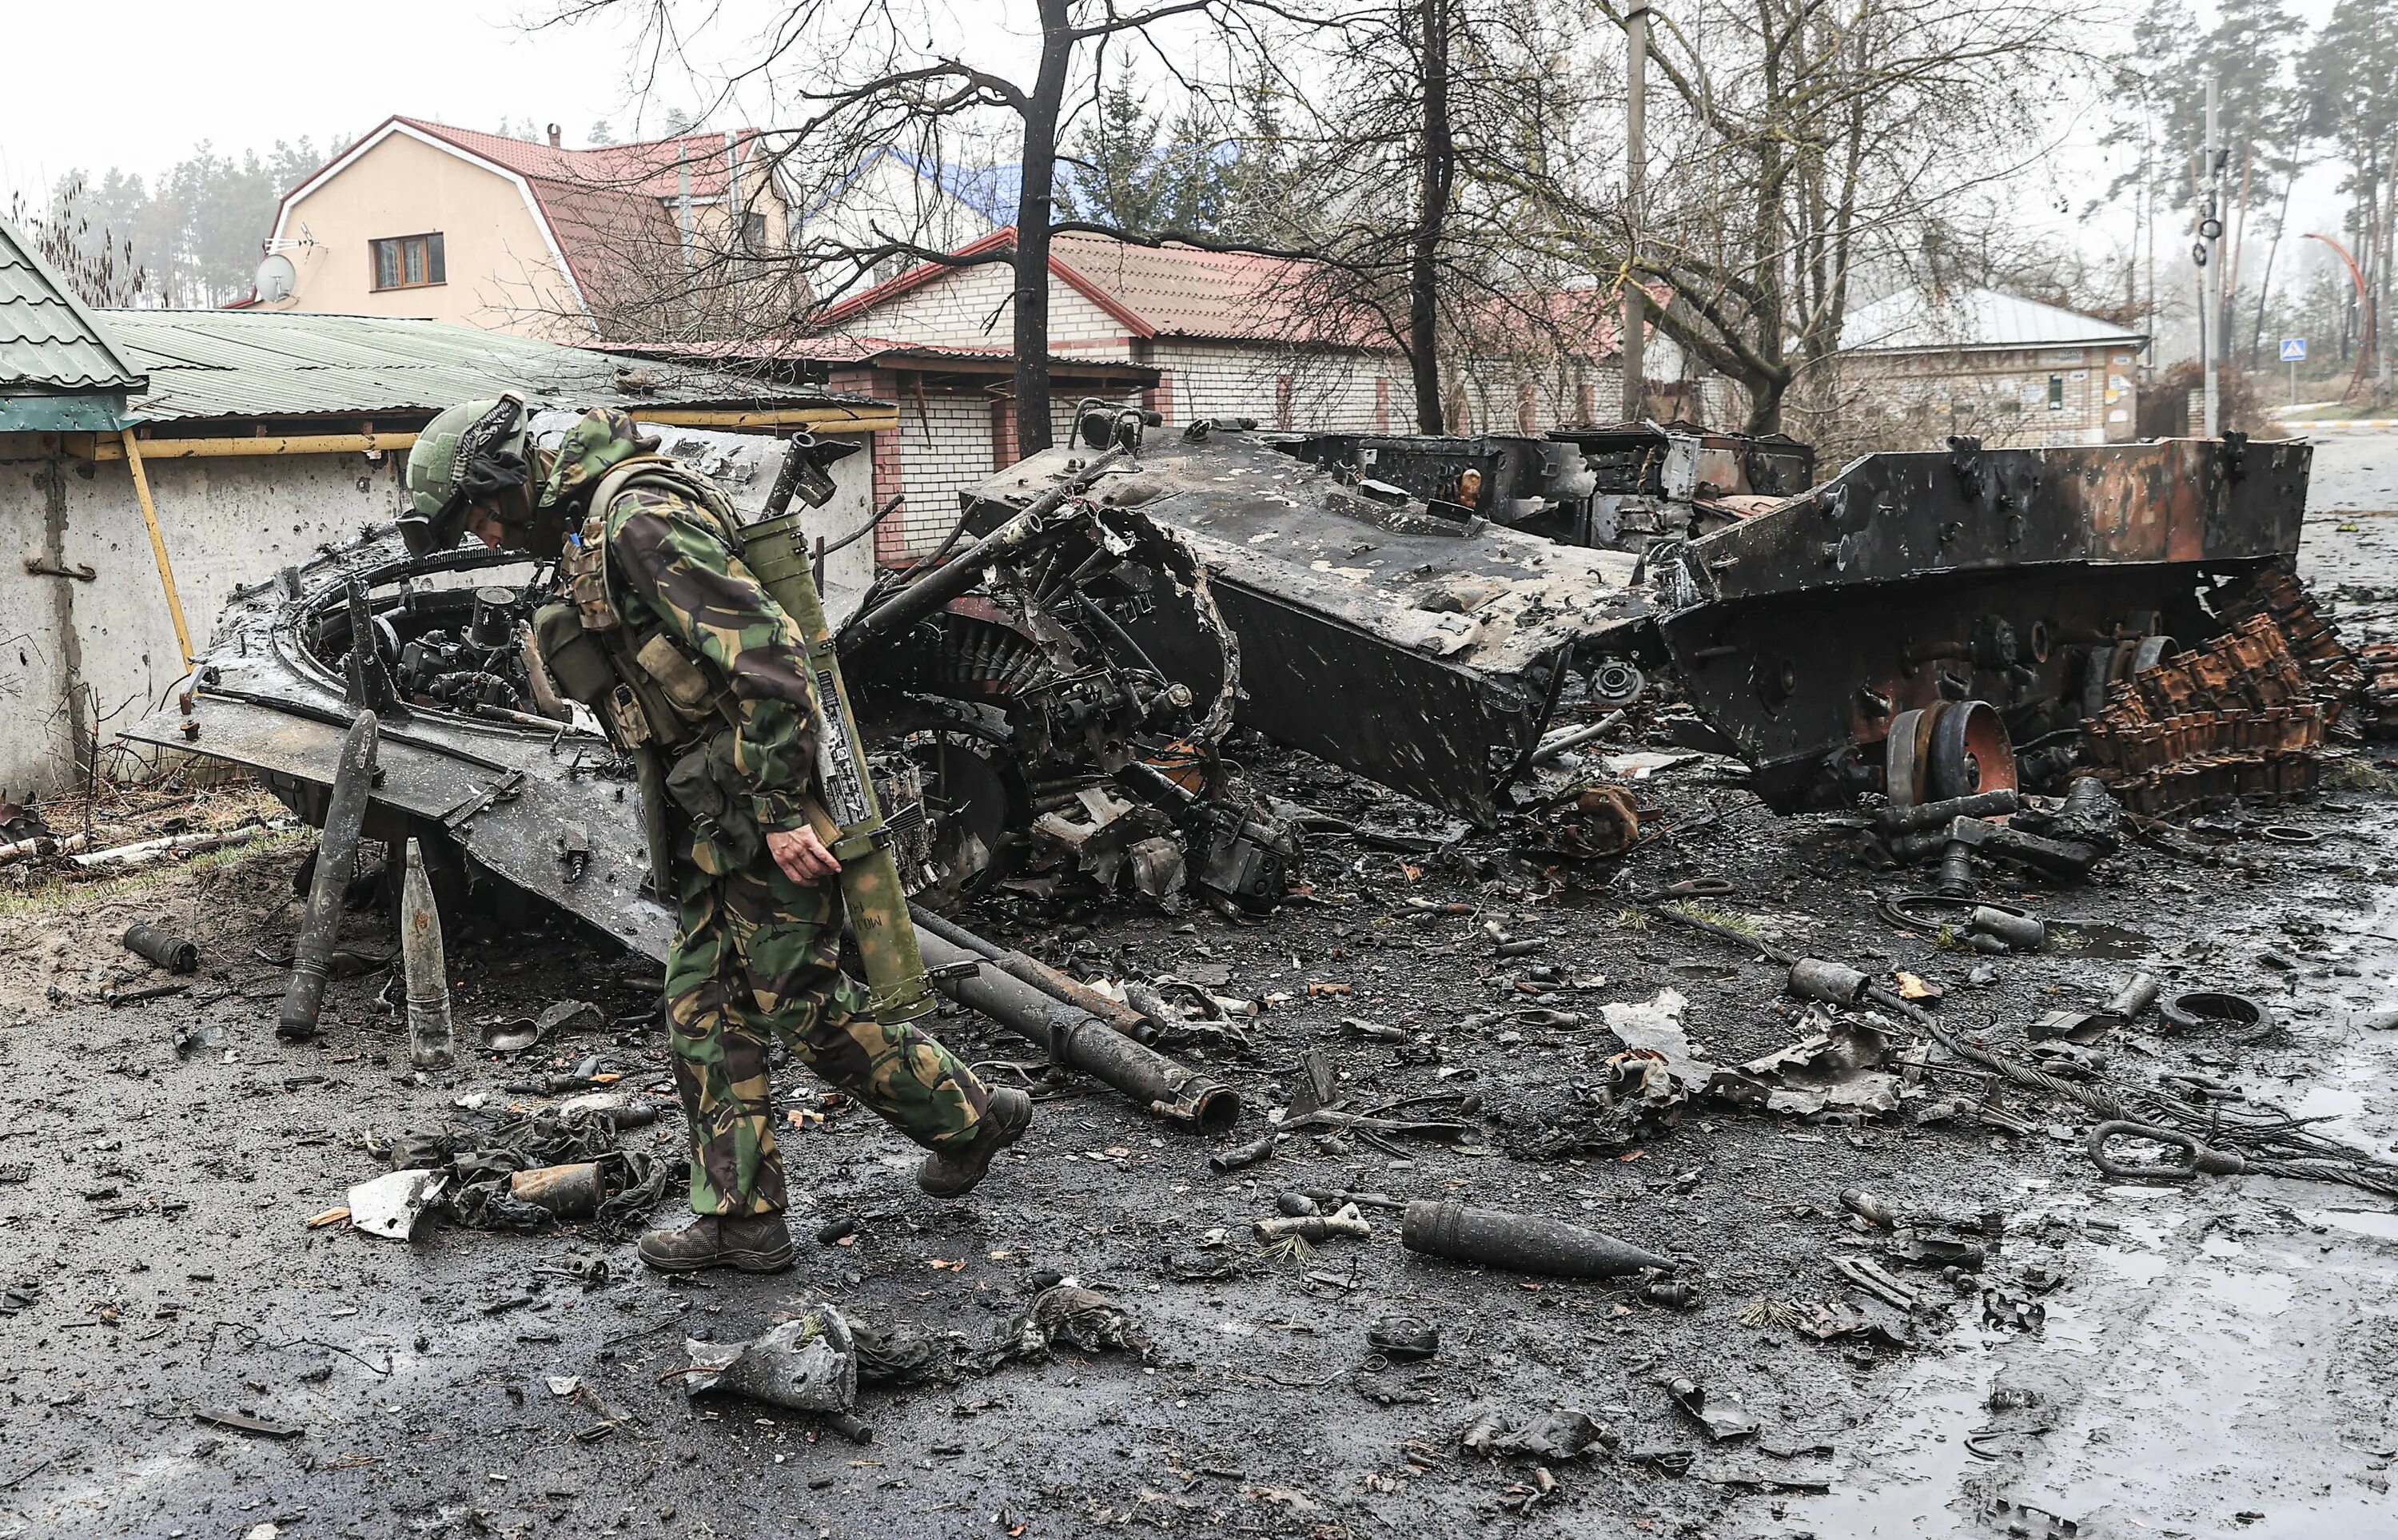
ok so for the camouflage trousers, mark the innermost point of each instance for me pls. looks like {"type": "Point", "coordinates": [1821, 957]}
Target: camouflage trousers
{"type": "Point", "coordinates": [755, 957]}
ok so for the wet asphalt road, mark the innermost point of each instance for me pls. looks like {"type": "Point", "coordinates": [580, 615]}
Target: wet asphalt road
{"type": "Point", "coordinates": [2215, 1362]}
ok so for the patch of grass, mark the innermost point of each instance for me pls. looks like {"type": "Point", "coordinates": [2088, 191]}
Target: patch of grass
{"type": "Point", "coordinates": [1630, 919]}
{"type": "Point", "coordinates": [2357, 773]}
{"type": "Point", "coordinates": [1948, 940]}
{"type": "Point", "coordinates": [1730, 919]}
{"type": "Point", "coordinates": [63, 893]}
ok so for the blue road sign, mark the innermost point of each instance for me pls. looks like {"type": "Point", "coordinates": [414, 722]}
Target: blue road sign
{"type": "Point", "coordinates": [2293, 350]}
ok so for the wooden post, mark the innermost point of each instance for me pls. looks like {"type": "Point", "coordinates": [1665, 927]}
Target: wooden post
{"type": "Point", "coordinates": [157, 542]}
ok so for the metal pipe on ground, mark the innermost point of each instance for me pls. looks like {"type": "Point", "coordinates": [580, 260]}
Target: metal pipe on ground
{"type": "Point", "coordinates": [1077, 1039]}
{"type": "Point", "coordinates": [1056, 985]}
{"type": "Point", "coordinates": [1936, 815]}
{"type": "Point", "coordinates": [1567, 741]}
{"type": "Point", "coordinates": [312, 952]}
{"type": "Point", "coordinates": [171, 952]}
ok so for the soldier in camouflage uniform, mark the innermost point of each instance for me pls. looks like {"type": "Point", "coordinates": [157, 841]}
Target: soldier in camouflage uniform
{"type": "Point", "coordinates": [757, 945]}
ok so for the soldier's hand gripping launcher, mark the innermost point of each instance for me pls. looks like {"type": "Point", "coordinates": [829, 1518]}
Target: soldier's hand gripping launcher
{"type": "Point", "coordinates": [776, 553]}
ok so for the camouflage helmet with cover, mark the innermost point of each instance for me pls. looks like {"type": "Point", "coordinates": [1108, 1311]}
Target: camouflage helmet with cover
{"type": "Point", "coordinates": [471, 455]}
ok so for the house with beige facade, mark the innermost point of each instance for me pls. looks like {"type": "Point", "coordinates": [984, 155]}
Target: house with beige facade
{"type": "Point", "coordinates": [677, 236]}
{"type": "Point", "coordinates": [2003, 369]}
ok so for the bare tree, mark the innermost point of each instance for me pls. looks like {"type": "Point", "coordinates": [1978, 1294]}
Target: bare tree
{"type": "Point", "coordinates": [90, 256]}
{"type": "Point", "coordinates": [1434, 190]}
{"type": "Point", "coordinates": [1809, 148]}
{"type": "Point", "coordinates": [854, 80]}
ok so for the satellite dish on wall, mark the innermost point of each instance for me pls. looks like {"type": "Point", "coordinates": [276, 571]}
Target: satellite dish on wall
{"type": "Point", "coordinates": [277, 278]}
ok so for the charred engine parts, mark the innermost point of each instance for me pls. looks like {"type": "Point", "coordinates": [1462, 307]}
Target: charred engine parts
{"type": "Point", "coordinates": [1620, 488]}
{"type": "Point", "coordinates": [1027, 680]}
{"type": "Point", "coordinates": [483, 662]}
{"type": "Point", "coordinates": [1422, 651]}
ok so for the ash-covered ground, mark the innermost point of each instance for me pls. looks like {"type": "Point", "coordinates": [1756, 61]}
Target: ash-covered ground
{"type": "Point", "coordinates": [2213, 1358]}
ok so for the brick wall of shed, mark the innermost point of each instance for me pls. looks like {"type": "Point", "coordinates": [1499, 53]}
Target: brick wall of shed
{"type": "Point", "coordinates": [1337, 393]}
{"type": "Point", "coordinates": [975, 308]}
{"type": "Point", "coordinates": [1507, 395]}
{"type": "Point", "coordinates": [946, 447]}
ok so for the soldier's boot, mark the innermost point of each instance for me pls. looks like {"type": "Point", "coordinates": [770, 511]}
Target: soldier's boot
{"type": "Point", "coordinates": [758, 1243]}
{"type": "Point", "coordinates": [954, 1173]}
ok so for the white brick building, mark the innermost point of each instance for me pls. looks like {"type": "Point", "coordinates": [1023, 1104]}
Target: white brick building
{"type": "Point", "coordinates": [2007, 370]}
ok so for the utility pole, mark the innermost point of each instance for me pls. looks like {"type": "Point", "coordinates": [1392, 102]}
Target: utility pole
{"type": "Point", "coordinates": [1635, 177]}
{"type": "Point", "coordinates": [2210, 257]}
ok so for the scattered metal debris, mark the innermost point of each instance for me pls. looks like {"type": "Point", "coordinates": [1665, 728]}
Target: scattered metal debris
{"type": "Point", "coordinates": [808, 1363]}
{"type": "Point", "coordinates": [173, 953]}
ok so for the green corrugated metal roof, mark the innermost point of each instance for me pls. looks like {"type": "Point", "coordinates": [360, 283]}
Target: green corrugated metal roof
{"type": "Point", "coordinates": [256, 363]}
{"type": "Point", "coordinates": [49, 344]}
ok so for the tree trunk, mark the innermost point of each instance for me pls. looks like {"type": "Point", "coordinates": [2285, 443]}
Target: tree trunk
{"type": "Point", "coordinates": [1033, 217]}
{"type": "Point", "coordinates": [1765, 405]}
{"type": "Point", "coordinates": [2265, 284]}
{"type": "Point", "coordinates": [1432, 213]}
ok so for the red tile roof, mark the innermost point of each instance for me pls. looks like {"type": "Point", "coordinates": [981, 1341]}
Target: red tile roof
{"type": "Point", "coordinates": [870, 350]}
{"type": "Point", "coordinates": [648, 168]}
{"type": "Point", "coordinates": [1187, 291]}
{"type": "Point", "coordinates": [1171, 290]}
{"type": "Point", "coordinates": [1177, 291]}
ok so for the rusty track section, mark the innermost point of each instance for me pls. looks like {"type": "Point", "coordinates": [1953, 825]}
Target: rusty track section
{"type": "Point", "coordinates": [2237, 718]}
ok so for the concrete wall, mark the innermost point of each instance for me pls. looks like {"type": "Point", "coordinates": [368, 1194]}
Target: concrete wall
{"type": "Point", "coordinates": [38, 650]}
{"type": "Point", "coordinates": [71, 652]}
{"type": "Point", "coordinates": [502, 274]}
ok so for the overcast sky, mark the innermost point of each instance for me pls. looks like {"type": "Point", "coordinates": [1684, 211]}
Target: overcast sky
{"type": "Point", "coordinates": [158, 77]}
{"type": "Point", "coordinates": [138, 83]}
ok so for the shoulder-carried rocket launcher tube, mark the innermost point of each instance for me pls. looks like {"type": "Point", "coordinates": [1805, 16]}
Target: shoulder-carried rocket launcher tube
{"type": "Point", "coordinates": [777, 555]}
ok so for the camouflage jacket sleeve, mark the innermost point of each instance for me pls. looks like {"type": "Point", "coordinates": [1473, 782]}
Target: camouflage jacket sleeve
{"type": "Point", "coordinates": [674, 563]}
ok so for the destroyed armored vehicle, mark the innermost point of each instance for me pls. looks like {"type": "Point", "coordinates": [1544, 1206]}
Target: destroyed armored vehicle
{"type": "Point", "coordinates": [1057, 684]}
{"type": "Point", "coordinates": [1900, 627]}
{"type": "Point", "coordinates": [1011, 724]}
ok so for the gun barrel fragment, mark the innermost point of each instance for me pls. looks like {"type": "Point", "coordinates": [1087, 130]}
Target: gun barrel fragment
{"type": "Point", "coordinates": [1074, 1038]}
{"type": "Point", "coordinates": [337, 857]}
{"type": "Point", "coordinates": [1040, 975]}
{"type": "Point", "coordinates": [962, 571]}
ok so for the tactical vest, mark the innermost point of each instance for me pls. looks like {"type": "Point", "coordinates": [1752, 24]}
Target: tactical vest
{"type": "Point", "coordinates": [664, 703]}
